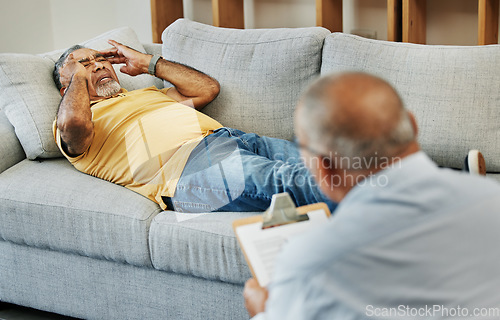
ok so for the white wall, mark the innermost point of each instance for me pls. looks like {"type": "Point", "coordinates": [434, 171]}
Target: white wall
{"type": "Point", "coordinates": [34, 26]}
{"type": "Point", "coordinates": [21, 28]}
{"type": "Point", "coordinates": [76, 21]}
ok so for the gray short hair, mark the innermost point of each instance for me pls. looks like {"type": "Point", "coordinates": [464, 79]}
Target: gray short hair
{"type": "Point", "coordinates": [60, 62]}
{"type": "Point", "coordinates": [331, 139]}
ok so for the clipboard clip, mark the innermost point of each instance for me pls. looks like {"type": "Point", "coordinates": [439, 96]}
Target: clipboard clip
{"type": "Point", "coordinates": [281, 211]}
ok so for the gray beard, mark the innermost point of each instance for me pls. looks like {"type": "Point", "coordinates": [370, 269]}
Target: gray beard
{"type": "Point", "coordinates": [108, 89]}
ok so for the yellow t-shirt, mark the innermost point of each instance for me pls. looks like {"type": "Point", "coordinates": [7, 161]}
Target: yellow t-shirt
{"type": "Point", "coordinates": [142, 140]}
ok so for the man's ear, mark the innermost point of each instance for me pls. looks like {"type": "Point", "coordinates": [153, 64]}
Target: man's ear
{"type": "Point", "coordinates": [413, 122]}
{"type": "Point", "coordinates": [62, 91]}
{"type": "Point", "coordinates": [336, 182]}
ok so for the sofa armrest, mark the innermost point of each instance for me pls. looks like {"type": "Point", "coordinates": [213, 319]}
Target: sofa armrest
{"type": "Point", "coordinates": [11, 151]}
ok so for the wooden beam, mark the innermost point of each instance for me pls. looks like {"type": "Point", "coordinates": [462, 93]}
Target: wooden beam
{"type": "Point", "coordinates": [394, 20]}
{"type": "Point", "coordinates": [329, 14]}
{"type": "Point", "coordinates": [163, 13]}
{"type": "Point", "coordinates": [488, 21]}
{"type": "Point", "coordinates": [228, 13]}
{"type": "Point", "coordinates": [414, 20]}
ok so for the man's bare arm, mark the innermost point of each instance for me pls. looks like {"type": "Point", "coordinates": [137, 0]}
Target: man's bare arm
{"type": "Point", "coordinates": [74, 118]}
{"type": "Point", "coordinates": [189, 83]}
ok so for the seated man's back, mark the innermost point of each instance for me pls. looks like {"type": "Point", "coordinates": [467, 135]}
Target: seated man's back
{"type": "Point", "coordinates": [407, 240]}
{"type": "Point", "coordinates": [424, 242]}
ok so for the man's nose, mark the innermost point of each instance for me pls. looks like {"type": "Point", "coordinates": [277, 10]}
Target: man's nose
{"type": "Point", "coordinates": [98, 65]}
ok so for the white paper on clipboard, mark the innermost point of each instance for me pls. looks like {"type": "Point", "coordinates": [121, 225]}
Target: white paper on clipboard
{"type": "Point", "coordinates": [262, 246]}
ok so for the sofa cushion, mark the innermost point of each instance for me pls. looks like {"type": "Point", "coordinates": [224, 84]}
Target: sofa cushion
{"type": "Point", "coordinates": [452, 90]}
{"type": "Point", "coordinates": [30, 98]}
{"type": "Point", "coordinates": [204, 246]}
{"type": "Point", "coordinates": [261, 72]}
{"type": "Point", "coordinates": [48, 204]}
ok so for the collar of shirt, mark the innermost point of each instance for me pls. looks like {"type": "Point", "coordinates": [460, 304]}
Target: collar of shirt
{"type": "Point", "coordinates": [397, 173]}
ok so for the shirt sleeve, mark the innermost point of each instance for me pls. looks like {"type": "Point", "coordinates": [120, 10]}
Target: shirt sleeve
{"type": "Point", "coordinates": [165, 90]}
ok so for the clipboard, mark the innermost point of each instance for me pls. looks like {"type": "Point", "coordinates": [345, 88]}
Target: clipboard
{"type": "Point", "coordinates": [261, 246]}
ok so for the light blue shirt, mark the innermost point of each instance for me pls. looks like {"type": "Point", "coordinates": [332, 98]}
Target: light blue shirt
{"type": "Point", "coordinates": [412, 241]}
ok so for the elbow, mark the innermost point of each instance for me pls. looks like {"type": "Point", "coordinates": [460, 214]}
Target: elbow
{"type": "Point", "coordinates": [208, 95]}
{"type": "Point", "coordinates": [76, 134]}
{"type": "Point", "coordinates": [74, 125]}
{"type": "Point", "coordinates": [214, 90]}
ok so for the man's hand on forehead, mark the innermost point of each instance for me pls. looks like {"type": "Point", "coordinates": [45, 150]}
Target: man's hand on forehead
{"type": "Point", "coordinates": [135, 62]}
{"type": "Point", "coordinates": [71, 67]}
{"type": "Point", "coordinates": [119, 52]}
{"type": "Point", "coordinates": [113, 56]}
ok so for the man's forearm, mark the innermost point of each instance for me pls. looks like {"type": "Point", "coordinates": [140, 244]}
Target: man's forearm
{"type": "Point", "coordinates": [74, 118]}
{"type": "Point", "coordinates": [188, 82]}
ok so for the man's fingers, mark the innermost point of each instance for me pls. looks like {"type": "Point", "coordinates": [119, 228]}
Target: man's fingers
{"type": "Point", "coordinates": [124, 69]}
{"type": "Point", "coordinates": [255, 297]}
{"type": "Point", "coordinates": [68, 59]}
{"type": "Point", "coordinates": [117, 59]}
{"type": "Point", "coordinates": [113, 55]}
{"type": "Point", "coordinates": [109, 52]}
{"type": "Point", "coordinates": [116, 44]}
{"type": "Point", "coordinates": [113, 42]}
{"type": "Point", "coordinates": [252, 283]}
{"type": "Point", "coordinates": [123, 49]}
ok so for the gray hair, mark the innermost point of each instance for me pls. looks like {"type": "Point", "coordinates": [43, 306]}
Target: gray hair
{"type": "Point", "coordinates": [333, 139]}
{"type": "Point", "coordinates": [60, 62]}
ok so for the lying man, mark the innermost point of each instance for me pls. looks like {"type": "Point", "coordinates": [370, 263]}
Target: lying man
{"type": "Point", "coordinates": [156, 143]}
{"type": "Point", "coordinates": [407, 240]}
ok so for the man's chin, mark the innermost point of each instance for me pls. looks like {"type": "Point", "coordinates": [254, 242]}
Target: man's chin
{"type": "Point", "coordinates": [108, 89]}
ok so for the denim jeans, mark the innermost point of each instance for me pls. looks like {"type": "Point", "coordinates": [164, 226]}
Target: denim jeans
{"type": "Point", "coordinates": [231, 170]}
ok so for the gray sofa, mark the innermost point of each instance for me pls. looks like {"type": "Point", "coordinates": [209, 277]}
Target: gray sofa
{"type": "Point", "coordinates": [83, 247]}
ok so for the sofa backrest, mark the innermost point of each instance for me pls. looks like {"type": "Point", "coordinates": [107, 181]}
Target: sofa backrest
{"type": "Point", "coordinates": [454, 91]}
{"type": "Point", "coordinates": [262, 72]}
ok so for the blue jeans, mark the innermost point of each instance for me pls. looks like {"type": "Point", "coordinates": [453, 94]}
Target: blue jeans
{"type": "Point", "coordinates": [231, 170]}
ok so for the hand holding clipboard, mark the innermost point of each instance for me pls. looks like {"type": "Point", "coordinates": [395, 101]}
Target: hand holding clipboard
{"type": "Point", "coordinates": [262, 237]}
